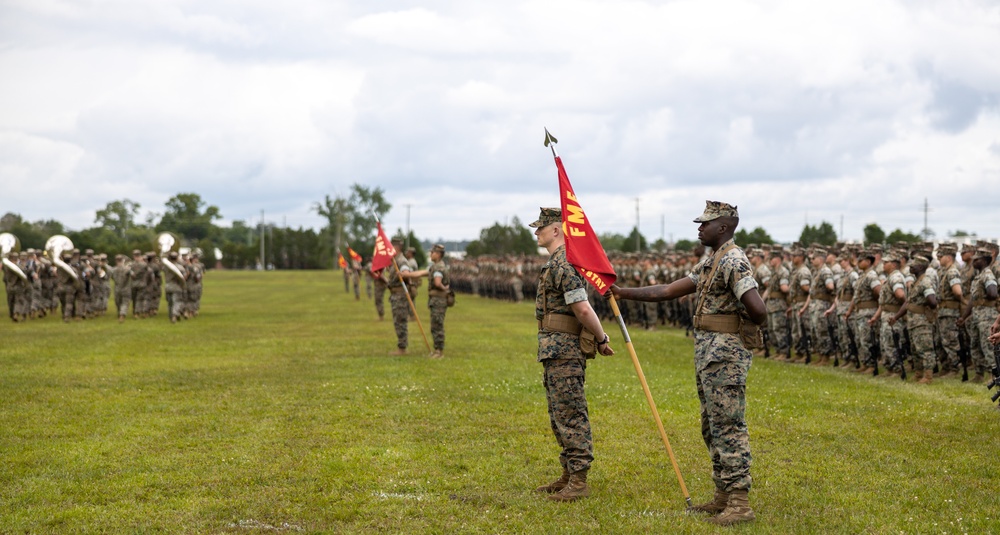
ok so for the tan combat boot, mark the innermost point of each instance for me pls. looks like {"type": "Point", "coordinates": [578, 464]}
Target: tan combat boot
{"type": "Point", "coordinates": [926, 379]}
{"type": "Point", "coordinates": [399, 352]}
{"type": "Point", "coordinates": [556, 485]}
{"type": "Point", "coordinates": [575, 488]}
{"type": "Point", "coordinates": [737, 510]}
{"type": "Point", "coordinates": [714, 507]}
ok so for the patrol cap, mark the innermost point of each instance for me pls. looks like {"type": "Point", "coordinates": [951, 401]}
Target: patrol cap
{"type": "Point", "coordinates": [547, 216]}
{"type": "Point", "coordinates": [891, 256]}
{"type": "Point", "coordinates": [136, 252]}
{"type": "Point", "coordinates": [396, 241]}
{"type": "Point", "coordinates": [919, 261]}
{"type": "Point", "coordinates": [438, 248]}
{"type": "Point", "coordinates": [715, 210]}
{"type": "Point", "coordinates": [797, 251]}
{"type": "Point", "coordinates": [983, 252]}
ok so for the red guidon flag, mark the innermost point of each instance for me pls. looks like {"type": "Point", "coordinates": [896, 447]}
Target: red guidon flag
{"type": "Point", "coordinates": [384, 251]}
{"type": "Point", "coordinates": [583, 249]}
{"type": "Point", "coordinates": [340, 260]}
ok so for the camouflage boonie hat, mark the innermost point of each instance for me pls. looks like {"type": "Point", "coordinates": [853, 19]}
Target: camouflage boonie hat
{"type": "Point", "coordinates": [547, 216]}
{"type": "Point", "coordinates": [919, 260]}
{"type": "Point", "coordinates": [715, 210]}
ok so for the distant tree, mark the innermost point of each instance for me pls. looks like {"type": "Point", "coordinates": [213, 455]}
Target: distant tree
{"type": "Point", "coordinates": [350, 219]}
{"type": "Point", "coordinates": [634, 239]}
{"type": "Point", "coordinates": [612, 241]}
{"type": "Point", "coordinates": [660, 245]}
{"type": "Point", "coordinates": [418, 250]}
{"type": "Point", "coordinates": [874, 233]}
{"type": "Point", "coordinates": [188, 216]}
{"type": "Point", "coordinates": [502, 240]}
{"type": "Point", "coordinates": [900, 236]}
{"type": "Point", "coordinates": [961, 234]}
{"type": "Point", "coordinates": [31, 235]}
{"type": "Point", "coordinates": [822, 234]}
{"type": "Point", "coordinates": [118, 216]}
{"type": "Point", "coordinates": [685, 245]}
{"type": "Point", "coordinates": [757, 235]}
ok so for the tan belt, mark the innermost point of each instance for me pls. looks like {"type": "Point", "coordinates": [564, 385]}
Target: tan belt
{"type": "Point", "coordinates": [396, 289]}
{"type": "Point", "coordinates": [985, 303]}
{"type": "Point", "coordinates": [917, 309]}
{"type": "Point", "coordinates": [718, 323]}
{"type": "Point", "coordinates": [801, 299]}
{"type": "Point", "coordinates": [864, 305]}
{"type": "Point", "coordinates": [560, 323]}
{"type": "Point", "coordinates": [950, 304]}
{"type": "Point", "coordinates": [437, 293]}
{"type": "Point", "coordinates": [890, 308]}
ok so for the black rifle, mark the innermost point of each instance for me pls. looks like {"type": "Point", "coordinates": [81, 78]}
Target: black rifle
{"type": "Point", "coordinates": [995, 381]}
{"type": "Point", "coordinates": [806, 339]}
{"type": "Point", "coordinates": [898, 354]}
{"type": "Point", "coordinates": [834, 341]}
{"type": "Point", "coordinates": [767, 344]}
{"type": "Point", "coordinates": [788, 334]}
{"type": "Point", "coordinates": [876, 350]}
{"type": "Point", "coordinates": [963, 353]}
{"type": "Point", "coordinates": [852, 346]}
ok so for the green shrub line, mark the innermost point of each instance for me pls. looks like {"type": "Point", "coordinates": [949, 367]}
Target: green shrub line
{"type": "Point", "coordinates": [278, 410]}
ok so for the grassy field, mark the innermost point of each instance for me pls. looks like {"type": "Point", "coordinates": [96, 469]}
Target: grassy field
{"type": "Point", "coordinates": [278, 410]}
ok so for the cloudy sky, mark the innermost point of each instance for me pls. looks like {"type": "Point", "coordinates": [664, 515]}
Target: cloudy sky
{"type": "Point", "coordinates": [852, 111]}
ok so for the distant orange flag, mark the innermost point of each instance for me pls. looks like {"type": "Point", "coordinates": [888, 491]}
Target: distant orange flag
{"type": "Point", "coordinates": [354, 256]}
{"type": "Point", "coordinates": [583, 249]}
{"type": "Point", "coordinates": [384, 251]}
{"type": "Point", "coordinates": [340, 260]}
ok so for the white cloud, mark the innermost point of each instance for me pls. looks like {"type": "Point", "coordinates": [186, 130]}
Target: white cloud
{"type": "Point", "coordinates": [792, 110]}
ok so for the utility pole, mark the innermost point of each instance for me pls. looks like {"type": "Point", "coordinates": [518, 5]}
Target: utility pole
{"type": "Point", "coordinates": [407, 240]}
{"type": "Point", "coordinates": [841, 227]}
{"type": "Point", "coordinates": [926, 233]}
{"type": "Point", "coordinates": [638, 249]}
{"type": "Point", "coordinates": [263, 263]}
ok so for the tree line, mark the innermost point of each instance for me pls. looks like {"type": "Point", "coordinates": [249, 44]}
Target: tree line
{"type": "Point", "coordinates": [350, 222]}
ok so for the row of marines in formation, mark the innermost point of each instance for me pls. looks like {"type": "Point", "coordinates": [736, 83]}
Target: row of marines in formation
{"type": "Point", "coordinates": [84, 283]}
{"type": "Point", "coordinates": [861, 307]}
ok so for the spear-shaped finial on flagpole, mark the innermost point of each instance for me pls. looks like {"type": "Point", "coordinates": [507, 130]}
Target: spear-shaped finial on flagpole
{"type": "Point", "coordinates": [550, 141]}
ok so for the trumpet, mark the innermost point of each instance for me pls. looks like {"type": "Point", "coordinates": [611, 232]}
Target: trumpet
{"type": "Point", "coordinates": [10, 244]}
{"type": "Point", "coordinates": [166, 242]}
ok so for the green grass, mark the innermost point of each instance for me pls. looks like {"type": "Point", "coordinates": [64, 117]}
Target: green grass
{"type": "Point", "coordinates": [278, 410]}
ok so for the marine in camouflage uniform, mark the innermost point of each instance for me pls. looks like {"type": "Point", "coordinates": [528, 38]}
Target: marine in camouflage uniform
{"type": "Point", "coordinates": [777, 304]}
{"type": "Point", "coordinates": [395, 274]}
{"type": "Point", "coordinates": [437, 297]}
{"type": "Point", "coordinates": [981, 312]}
{"type": "Point", "coordinates": [174, 285]}
{"type": "Point", "coordinates": [891, 297]}
{"type": "Point", "coordinates": [121, 276]}
{"type": "Point", "coordinates": [563, 315]}
{"type": "Point", "coordinates": [726, 300]}
{"type": "Point", "coordinates": [919, 309]}
{"type": "Point", "coordinates": [845, 294]}
{"type": "Point", "coordinates": [949, 292]}
{"type": "Point", "coordinates": [822, 292]}
{"type": "Point", "coordinates": [864, 305]}
{"type": "Point", "coordinates": [798, 294]}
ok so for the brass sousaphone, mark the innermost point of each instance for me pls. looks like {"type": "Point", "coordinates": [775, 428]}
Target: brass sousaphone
{"type": "Point", "coordinates": [167, 242]}
{"type": "Point", "coordinates": [8, 244]}
{"type": "Point", "coordinates": [56, 246]}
